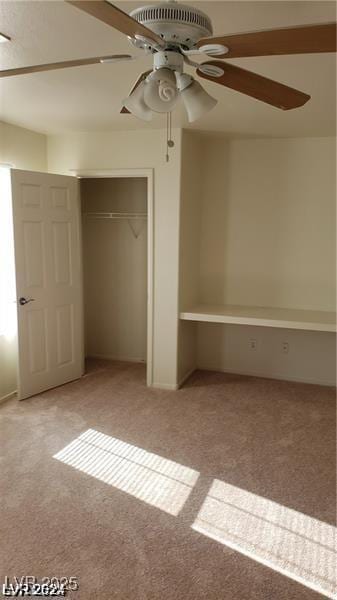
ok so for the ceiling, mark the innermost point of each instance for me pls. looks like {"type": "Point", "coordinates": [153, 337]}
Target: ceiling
{"type": "Point", "coordinates": [89, 98]}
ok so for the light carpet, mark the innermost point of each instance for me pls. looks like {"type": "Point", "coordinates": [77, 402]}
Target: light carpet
{"type": "Point", "coordinates": [224, 489]}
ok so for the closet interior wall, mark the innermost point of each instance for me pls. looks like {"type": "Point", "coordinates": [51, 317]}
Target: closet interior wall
{"type": "Point", "coordinates": [115, 267]}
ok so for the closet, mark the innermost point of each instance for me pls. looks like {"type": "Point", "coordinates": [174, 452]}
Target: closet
{"type": "Point", "coordinates": [114, 217]}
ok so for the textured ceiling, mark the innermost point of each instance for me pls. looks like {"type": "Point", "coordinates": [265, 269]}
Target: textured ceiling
{"type": "Point", "coordinates": [89, 98]}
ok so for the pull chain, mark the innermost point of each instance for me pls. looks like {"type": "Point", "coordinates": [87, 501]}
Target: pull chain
{"type": "Point", "coordinates": [169, 141]}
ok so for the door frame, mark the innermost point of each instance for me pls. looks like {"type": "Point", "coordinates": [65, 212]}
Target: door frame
{"type": "Point", "coordinates": [148, 175]}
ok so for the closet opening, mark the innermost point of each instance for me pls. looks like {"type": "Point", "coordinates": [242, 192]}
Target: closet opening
{"type": "Point", "coordinates": [117, 267]}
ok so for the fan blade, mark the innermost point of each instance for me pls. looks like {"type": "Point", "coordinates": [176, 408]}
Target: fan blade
{"type": "Point", "coordinates": [64, 65]}
{"type": "Point", "coordinates": [305, 39]}
{"type": "Point", "coordinates": [141, 78]}
{"type": "Point", "coordinates": [113, 16]}
{"type": "Point", "coordinates": [258, 87]}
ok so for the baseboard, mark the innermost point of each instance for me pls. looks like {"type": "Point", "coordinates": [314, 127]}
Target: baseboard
{"type": "Point", "coordinates": [8, 396]}
{"type": "Point", "coordinates": [117, 358]}
{"type": "Point", "coordinates": [165, 386]}
{"type": "Point", "coordinates": [270, 376]}
{"type": "Point", "coordinates": [185, 377]}
{"type": "Point", "coordinates": [173, 386]}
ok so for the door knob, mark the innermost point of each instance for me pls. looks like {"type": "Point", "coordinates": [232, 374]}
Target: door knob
{"type": "Point", "coordinates": [23, 300]}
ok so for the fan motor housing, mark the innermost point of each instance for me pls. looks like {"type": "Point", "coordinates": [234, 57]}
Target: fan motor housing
{"type": "Point", "coordinates": [178, 24]}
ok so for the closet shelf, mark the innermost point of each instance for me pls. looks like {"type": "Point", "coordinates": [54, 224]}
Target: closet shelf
{"type": "Point", "coordinates": [114, 215]}
{"type": "Point", "coordinates": [309, 320]}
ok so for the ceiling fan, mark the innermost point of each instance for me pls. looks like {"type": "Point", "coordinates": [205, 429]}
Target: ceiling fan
{"type": "Point", "coordinates": [172, 32]}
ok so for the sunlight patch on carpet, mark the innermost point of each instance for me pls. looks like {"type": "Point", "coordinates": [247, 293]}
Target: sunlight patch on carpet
{"type": "Point", "coordinates": [149, 477]}
{"type": "Point", "coordinates": [294, 544]}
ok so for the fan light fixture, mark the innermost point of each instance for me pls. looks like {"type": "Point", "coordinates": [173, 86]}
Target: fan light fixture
{"type": "Point", "coordinates": [196, 100]}
{"type": "Point", "coordinates": [136, 105]}
{"type": "Point", "coordinates": [160, 91]}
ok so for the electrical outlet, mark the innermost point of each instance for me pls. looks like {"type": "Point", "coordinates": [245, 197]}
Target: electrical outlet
{"type": "Point", "coordinates": [285, 347]}
{"type": "Point", "coordinates": [252, 344]}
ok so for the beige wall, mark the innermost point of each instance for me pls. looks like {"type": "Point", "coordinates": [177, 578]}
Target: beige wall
{"type": "Point", "coordinates": [268, 223]}
{"type": "Point", "coordinates": [130, 150]}
{"type": "Point", "coordinates": [115, 269]}
{"type": "Point", "coordinates": [23, 149]}
{"type": "Point", "coordinates": [311, 357]}
{"type": "Point", "coordinates": [268, 239]}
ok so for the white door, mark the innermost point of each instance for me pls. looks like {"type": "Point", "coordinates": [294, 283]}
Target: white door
{"type": "Point", "coordinates": [47, 242]}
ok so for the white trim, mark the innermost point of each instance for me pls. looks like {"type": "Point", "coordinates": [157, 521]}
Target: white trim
{"type": "Point", "coordinates": [133, 359]}
{"type": "Point", "coordinates": [268, 376]}
{"type": "Point", "coordinates": [150, 275]}
{"type": "Point", "coordinates": [87, 173]}
{"type": "Point", "coordinates": [148, 174]}
{"type": "Point", "coordinates": [172, 387]}
{"type": "Point", "coordinates": [256, 316]}
{"type": "Point", "coordinates": [179, 266]}
{"type": "Point", "coordinates": [185, 377]}
{"type": "Point", "coordinates": [80, 242]}
{"type": "Point", "coordinates": [8, 396]}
